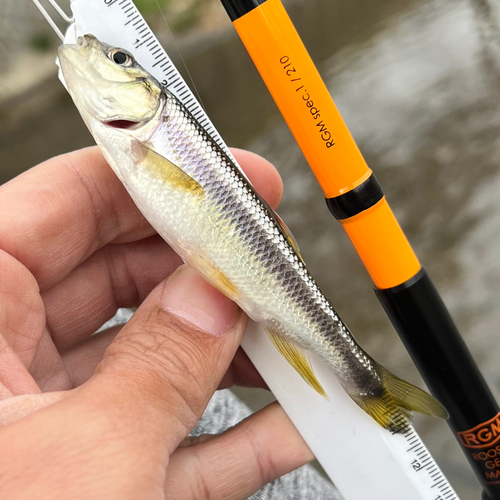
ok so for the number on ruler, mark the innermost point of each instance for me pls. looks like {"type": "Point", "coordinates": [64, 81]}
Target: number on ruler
{"type": "Point", "coordinates": [416, 465]}
{"type": "Point", "coordinates": [144, 39]}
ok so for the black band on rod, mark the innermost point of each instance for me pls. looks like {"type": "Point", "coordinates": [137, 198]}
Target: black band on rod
{"type": "Point", "coordinates": [238, 8]}
{"type": "Point", "coordinates": [357, 200]}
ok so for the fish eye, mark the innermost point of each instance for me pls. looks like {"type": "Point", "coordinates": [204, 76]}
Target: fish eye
{"type": "Point", "coordinates": [121, 57]}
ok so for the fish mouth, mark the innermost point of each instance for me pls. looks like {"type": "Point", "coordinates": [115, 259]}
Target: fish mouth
{"type": "Point", "coordinates": [121, 124]}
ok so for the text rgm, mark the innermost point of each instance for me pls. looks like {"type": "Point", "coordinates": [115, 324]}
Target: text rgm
{"type": "Point", "coordinates": [315, 112]}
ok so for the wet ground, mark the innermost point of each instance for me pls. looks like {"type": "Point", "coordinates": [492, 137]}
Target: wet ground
{"type": "Point", "coordinates": [418, 83]}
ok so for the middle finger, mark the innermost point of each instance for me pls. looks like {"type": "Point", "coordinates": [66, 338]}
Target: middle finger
{"type": "Point", "coordinates": [115, 276]}
{"type": "Point", "coordinates": [123, 275]}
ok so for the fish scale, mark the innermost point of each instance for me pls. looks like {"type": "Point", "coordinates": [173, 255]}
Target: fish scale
{"type": "Point", "coordinates": [296, 307]}
{"type": "Point", "coordinates": [362, 459]}
{"type": "Point", "coordinates": [192, 193]}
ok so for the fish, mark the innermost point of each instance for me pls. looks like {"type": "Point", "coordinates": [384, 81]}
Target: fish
{"type": "Point", "coordinates": [197, 198]}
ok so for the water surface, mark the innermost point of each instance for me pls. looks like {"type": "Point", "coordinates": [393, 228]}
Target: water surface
{"type": "Point", "coordinates": [418, 83]}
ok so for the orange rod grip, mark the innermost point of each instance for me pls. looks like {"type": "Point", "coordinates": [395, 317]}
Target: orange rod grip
{"type": "Point", "coordinates": [382, 246]}
{"type": "Point", "coordinates": [304, 101]}
{"type": "Point", "coordinates": [302, 97]}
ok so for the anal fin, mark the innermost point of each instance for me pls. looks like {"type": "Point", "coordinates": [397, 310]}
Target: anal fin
{"type": "Point", "coordinates": [297, 359]}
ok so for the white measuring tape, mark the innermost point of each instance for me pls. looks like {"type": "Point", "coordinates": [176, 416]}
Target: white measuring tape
{"type": "Point", "coordinates": [362, 459]}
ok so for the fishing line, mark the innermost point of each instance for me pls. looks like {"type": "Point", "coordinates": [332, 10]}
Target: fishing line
{"type": "Point", "coordinates": [180, 55]}
{"type": "Point", "coordinates": [362, 458]}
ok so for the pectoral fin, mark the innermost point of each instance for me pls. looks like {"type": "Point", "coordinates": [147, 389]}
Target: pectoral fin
{"type": "Point", "coordinates": [297, 359]}
{"type": "Point", "coordinates": [165, 170]}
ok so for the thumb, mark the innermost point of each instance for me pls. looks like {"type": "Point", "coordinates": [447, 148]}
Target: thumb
{"type": "Point", "coordinates": [169, 359]}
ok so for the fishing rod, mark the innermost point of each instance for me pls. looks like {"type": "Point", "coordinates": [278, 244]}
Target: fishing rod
{"type": "Point", "coordinates": [356, 199]}
{"type": "Point", "coordinates": [363, 459]}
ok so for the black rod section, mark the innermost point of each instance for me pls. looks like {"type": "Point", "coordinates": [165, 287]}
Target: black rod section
{"type": "Point", "coordinates": [356, 200]}
{"type": "Point", "coordinates": [238, 8]}
{"type": "Point", "coordinates": [415, 307]}
{"type": "Point", "coordinates": [435, 345]}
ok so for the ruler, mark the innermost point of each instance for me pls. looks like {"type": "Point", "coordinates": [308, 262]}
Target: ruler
{"type": "Point", "coordinates": [361, 458]}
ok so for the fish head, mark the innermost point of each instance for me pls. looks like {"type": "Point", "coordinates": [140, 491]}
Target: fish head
{"type": "Point", "coordinates": [107, 85]}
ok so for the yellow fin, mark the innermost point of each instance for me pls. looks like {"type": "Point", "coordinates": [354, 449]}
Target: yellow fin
{"type": "Point", "coordinates": [291, 238]}
{"type": "Point", "coordinates": [384, 410]}
{"type": "Point", "coordinates": [297, 359]}
{"type": "Point", "coordinates": [165, 170]}
{"type": "Point", "coordinates": [215, 277]}
{"type": "Point", "coordinates": [393, 405]}
{"type": "Point", "coordinates": [409, 397]}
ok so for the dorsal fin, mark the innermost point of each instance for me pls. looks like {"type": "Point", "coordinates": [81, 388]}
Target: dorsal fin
{"type": "Point", "coordinates": [291, 238]}
{"type": "Point", "coordinates": [297, 359]}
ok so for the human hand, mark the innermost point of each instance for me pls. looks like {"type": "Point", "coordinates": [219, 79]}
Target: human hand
{"type": "Point", "coordinates": [107, 416]}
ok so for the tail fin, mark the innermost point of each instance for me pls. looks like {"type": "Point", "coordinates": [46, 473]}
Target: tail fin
{"type": "Point", "coordinates": [392, 407]}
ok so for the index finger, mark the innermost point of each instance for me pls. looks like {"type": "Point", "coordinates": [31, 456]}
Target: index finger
{"type": "Point", "coordinates": [59, 213]}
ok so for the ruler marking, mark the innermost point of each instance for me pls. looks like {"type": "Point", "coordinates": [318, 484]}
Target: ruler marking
{"type": "Point", "coordinates": [436, 484]}
{"type": "Point", "coordinates": [160, 60]}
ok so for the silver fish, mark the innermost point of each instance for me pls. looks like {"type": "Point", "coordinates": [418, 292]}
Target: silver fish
{"type": "Point", "coordinates": [200, 202]}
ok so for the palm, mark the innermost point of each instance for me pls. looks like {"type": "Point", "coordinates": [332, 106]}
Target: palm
{"type": "Point", "coordinates": [74, 248]}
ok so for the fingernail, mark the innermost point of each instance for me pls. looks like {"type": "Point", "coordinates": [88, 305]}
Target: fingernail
{"type": "Point", "coordinates": [187, 295]}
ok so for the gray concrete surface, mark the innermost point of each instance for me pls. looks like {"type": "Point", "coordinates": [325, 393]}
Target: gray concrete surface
{"type": "Point", "coordinates": [418, 84]}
